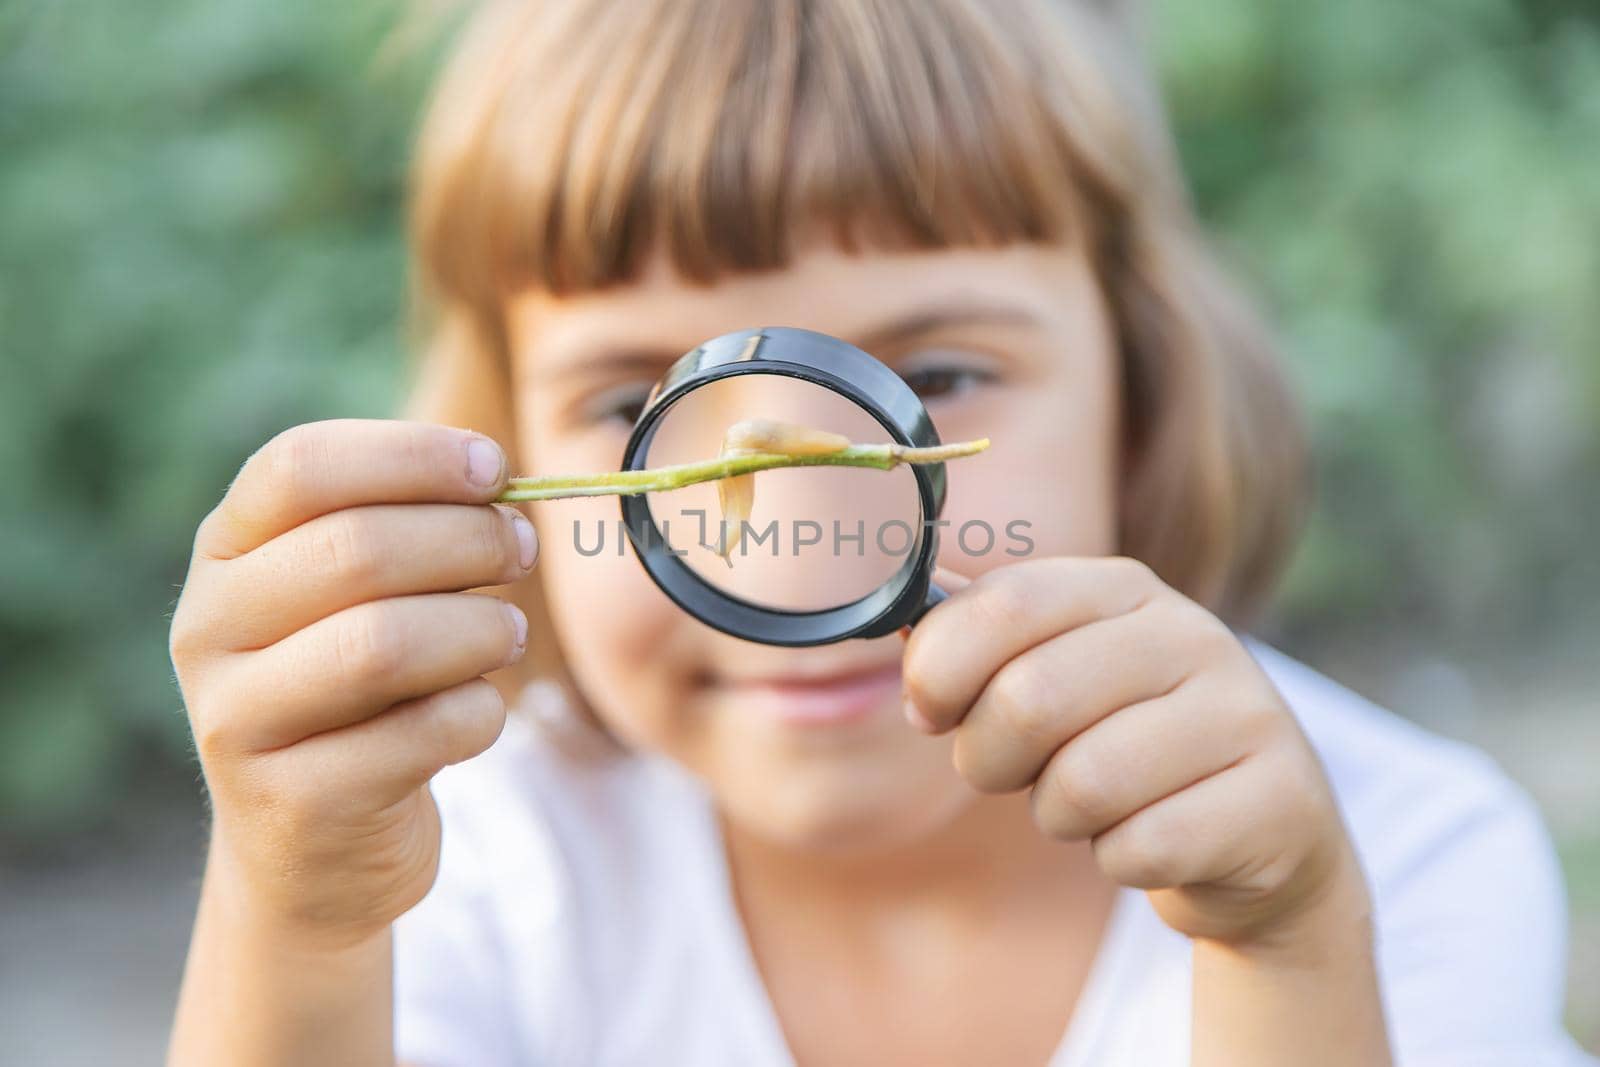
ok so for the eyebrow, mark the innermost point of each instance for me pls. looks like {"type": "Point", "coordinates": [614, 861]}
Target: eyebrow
{"type": "Point", "coordinates": [943, 316]}
{"type": "Point", "coordinates": [633, 359]}
{"type": "Point", "coordinates": [622, 360]}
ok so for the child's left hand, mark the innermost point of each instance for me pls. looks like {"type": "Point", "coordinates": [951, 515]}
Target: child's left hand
{"type": "Point", "coordinates": [1144, 727]}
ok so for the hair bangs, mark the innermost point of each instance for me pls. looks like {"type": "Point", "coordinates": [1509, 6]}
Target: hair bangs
{"type": "Point", "coordinates": [568, 141]}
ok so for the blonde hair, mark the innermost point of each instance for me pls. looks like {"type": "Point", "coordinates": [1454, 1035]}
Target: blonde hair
{"type": "Point", "coordinates": [568, 140]}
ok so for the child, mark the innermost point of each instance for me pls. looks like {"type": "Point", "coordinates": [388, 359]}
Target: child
{"type": "Point", "coordinates": [1077, 817]}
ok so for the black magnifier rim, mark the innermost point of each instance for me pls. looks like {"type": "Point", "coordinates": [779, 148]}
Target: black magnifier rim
{"type": "Point", "coordinates": [833, 364]}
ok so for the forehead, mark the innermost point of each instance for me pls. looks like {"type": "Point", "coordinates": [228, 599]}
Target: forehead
{"type": "Point", "coordinates": [869, 298]}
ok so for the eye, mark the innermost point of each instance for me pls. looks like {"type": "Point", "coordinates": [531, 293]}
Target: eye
{"type": "Point", "coordinates": [945, 381]}
{"type": "Point", "coordinates": [621, 405]}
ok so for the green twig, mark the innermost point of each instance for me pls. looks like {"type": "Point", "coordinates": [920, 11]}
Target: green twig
{"type": "Point", "coordinates": [661, 479]}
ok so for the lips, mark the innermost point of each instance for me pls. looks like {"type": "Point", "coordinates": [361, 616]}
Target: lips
{"type": "Point", "coordinates": [818, 699]}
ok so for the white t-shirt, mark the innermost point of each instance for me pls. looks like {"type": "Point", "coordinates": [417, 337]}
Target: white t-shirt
{"type": "Point", "coordinates": [584, 914]}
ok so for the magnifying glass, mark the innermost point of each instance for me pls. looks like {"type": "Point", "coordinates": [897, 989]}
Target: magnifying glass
{"type": "Point", "coordinates": [830, 552]}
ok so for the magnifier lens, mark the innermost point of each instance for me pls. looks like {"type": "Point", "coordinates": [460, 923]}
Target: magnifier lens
{"type": "Point", "coordinates": [817, 537]}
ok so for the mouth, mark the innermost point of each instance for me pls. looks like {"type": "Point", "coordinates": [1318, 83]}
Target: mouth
{"type": "Point", "coordinates": [818, 700]}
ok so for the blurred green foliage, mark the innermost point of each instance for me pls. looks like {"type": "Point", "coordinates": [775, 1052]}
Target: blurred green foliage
{"type": "Point", "coordinates": [200, 245]}
{"type": "Point", "coordinates": [1417, 185]}
{"type": "Point", "coordinates": [199, 204]}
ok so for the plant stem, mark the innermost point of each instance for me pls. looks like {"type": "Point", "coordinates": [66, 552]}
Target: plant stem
{"type": "Point", "coordinates": [630, 483]}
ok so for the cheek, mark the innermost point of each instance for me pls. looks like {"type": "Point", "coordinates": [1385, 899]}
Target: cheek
{"type": "Point", "coordinates": [628, 647]}
{"type": "Point", "coordinates": [1049, 478]}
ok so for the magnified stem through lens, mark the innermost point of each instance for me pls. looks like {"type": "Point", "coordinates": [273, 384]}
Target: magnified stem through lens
{"type": "Point", "coordinates": [827, 534]}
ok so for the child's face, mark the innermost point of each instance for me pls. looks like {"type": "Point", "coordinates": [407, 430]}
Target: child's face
{"type": "Point", "coordinates": [1012, 344]}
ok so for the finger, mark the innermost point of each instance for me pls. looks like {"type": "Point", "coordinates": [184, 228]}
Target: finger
{"type": "Point", "coordinates": [1037, 702]}
{"type": "Point", "coordinates": [380, 760]}
{"type": "Point", "coordinates": [351, 665]}
{"type": "Point", "coordinates": [360, 554]}
{"type": "Point", "coordinates": [1224, 828]}
{"type": "Point", "coordinates": [1136, 757]}
{"type": "Point", "coordinates": [318, 467]}
{"type": "Point", "coordinates": [959, 646]}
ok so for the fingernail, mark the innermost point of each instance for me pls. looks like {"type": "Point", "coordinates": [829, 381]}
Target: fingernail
{"type": "Point", "coordinates": [527, 541]}
{"type": "Point", "coordinates": [519, 623]}
{"type": "Point", "coordinates": [484, 461]}
{"type": "Point", "coordinates": [915, 717]}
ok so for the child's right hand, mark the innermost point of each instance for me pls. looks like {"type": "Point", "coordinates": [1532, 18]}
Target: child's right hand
{"type": "Point", "coordinates": [331, 662]}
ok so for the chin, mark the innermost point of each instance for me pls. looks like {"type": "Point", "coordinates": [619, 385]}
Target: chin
{"type": "Point", "coordinates": [850, 811]}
